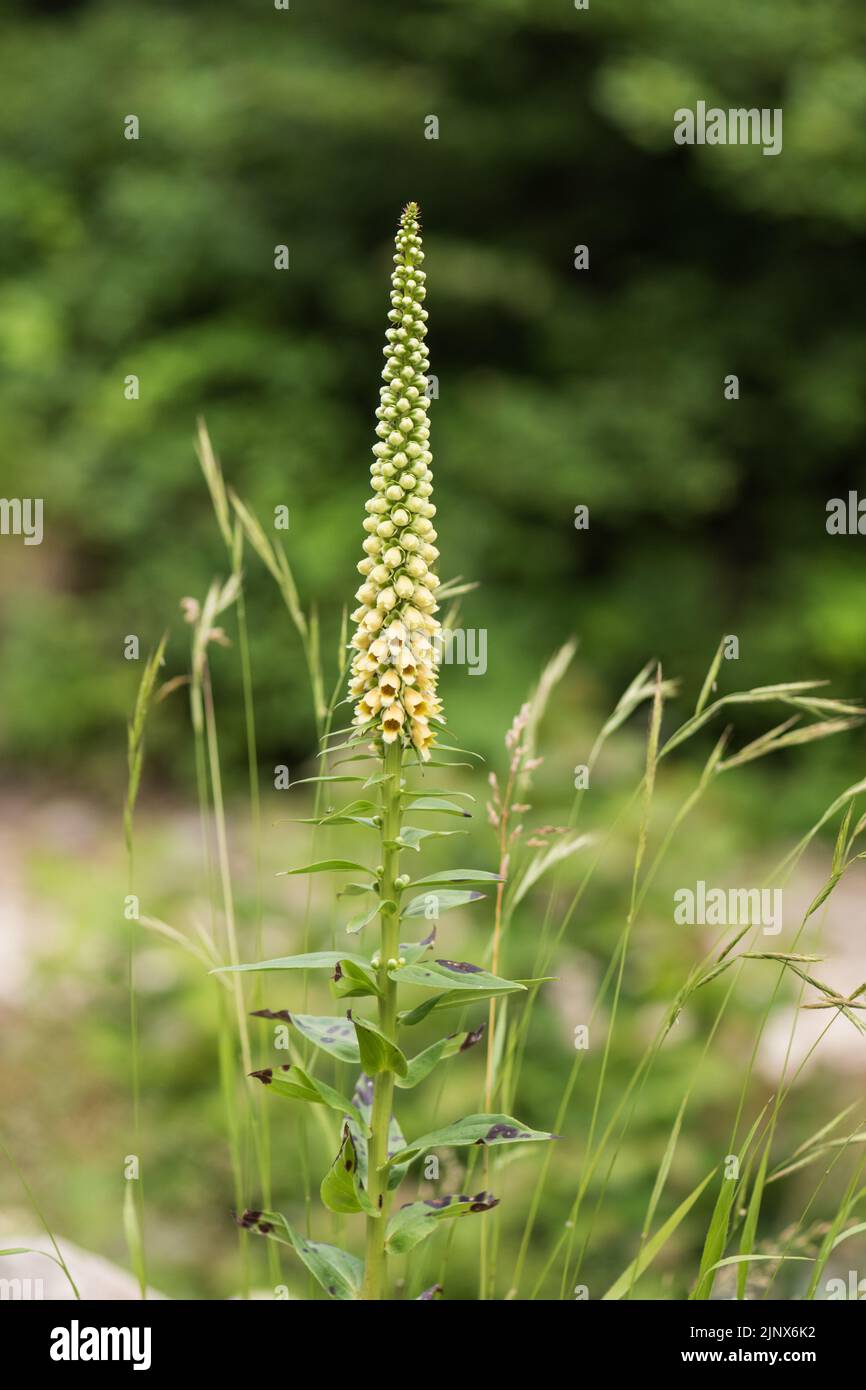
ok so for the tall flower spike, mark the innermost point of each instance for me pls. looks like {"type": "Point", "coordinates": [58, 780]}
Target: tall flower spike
{"type": "Point", "coordinates": [395, 666]}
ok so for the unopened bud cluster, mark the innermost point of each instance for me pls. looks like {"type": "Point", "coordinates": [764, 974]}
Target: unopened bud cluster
{"type": "Point", "coordinates": [394, 668]}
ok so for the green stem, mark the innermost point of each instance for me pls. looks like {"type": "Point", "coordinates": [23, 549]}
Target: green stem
{"type": "Point", "coordinates": [231, 935]}
{"type": "Point", "coordinates": [383, 1087]}
{"type": "Point", "coordinates": [263, 1151]}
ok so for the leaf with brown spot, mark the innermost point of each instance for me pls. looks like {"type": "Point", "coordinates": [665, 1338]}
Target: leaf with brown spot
{"type": "Point", "coordinates": [473, 1129]}
{"type": "Point", "coordinates": [339, 1273]}
{"type": "Point", "coordinates": [421, 1065]}
{"type": "Point", "coordinates": [343, 1187]}
{"type": "Point", "coordinates": [418, 1220]}
{"type": "Point", "coordinates": [297, 1084]}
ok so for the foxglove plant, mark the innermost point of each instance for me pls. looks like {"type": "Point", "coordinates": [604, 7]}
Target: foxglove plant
{"type": "Point", "coordinates": [397, 719]}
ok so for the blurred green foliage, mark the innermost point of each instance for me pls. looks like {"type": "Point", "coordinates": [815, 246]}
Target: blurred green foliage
{"type": "Point", "coordinates": [557, 387]}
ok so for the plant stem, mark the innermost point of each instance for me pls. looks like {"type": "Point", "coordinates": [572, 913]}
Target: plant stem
{"type": "Point", "coordinates": [205, 717]}
{"type": "Point", "coordinates": [383, 1086]}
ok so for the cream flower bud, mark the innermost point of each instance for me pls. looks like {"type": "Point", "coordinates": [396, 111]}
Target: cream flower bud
{"type": "Point", "coordinates": [395, 661]}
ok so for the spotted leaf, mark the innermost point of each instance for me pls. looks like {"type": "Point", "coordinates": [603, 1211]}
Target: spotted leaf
{"type": "Point", "coordinates": [418, 1220]}
{"type": "Point", "coordinates": [486, 1130]}
{"type": "Point", "coordinates": [343, 1187]}
{"type": "Point", "coordinates": [297, 1084]}
{"type": "Point", "coordinates": [333, 1035]}
{"type": "Point", "coordinates": [423, 1063]}
{"type": "Point", "coordinates": [339, 1273]}
{"type": "Point", "coordinates": [453, 974]}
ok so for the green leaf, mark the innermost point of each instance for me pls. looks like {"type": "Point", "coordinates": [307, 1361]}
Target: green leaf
{"type": "Point", "coordinates": [329, 777]}
{"type": "Point", "coordinates": [421, 1065]}
{"type": "Point", "coordinates": [333, 1035]}
{"type": "Point", "coordinates": [458, 876]}
{"type": "Point", "coordinates": [454, 974]}
{"type": "Point", "coordinates": [411, 837]}
{"type": "Point", "coordinates": [326, 866]}
{"type": "Point", "coordinates": [297, 1084]}
{"type": "Point", "coordinates": [354, 813]}
{"type": "Point", "coordinates": [846, 1235]}
{"type": "Point", "coordinates": [342, 1189]}
{"type": "Point", "coordinates": [377, 1052]}
{"type": "Point", "coordinates": [312, 960]}
{"type": "Point", "coordinates": [814, 1139]}
{"type": "Point", "coordinates": [445, 899]}
{"type": "Point", "coordinates": [487, 1130]}
{"type": "Point", "coordinates": [339, 1273]}
{"type": "Point", "coordinates": [351, 982]}
{"type": "Point", "coordinates": [364, 807]}
{"type": "Point", "coordinates": [652, 1247]}
{"type": "Point", "coordinates": [750, 1225]}
{"type": "Point", "coordinates": [377, 778]}
{"type": "Point", "coordinates": [417, 1220]}
{"type": "Point", "coordinates": [356, 924]}
{"type": "Point", "coordinates": [412, 951]}
{"type": "Point", "coordinates": [460, 998]}
{"type": "Point", "coordinates": [438, 805]}
{"type": "Point", "coordinates": [437, 793]}
{"type": "Point", "coordinates": [354, 890]}
{"type": "Point", "coordinates": [717, 1231]}
{"type": "Point", "coordinates": [738, 1259]}
{"type": "Point", "coordinates": [333, 820]}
